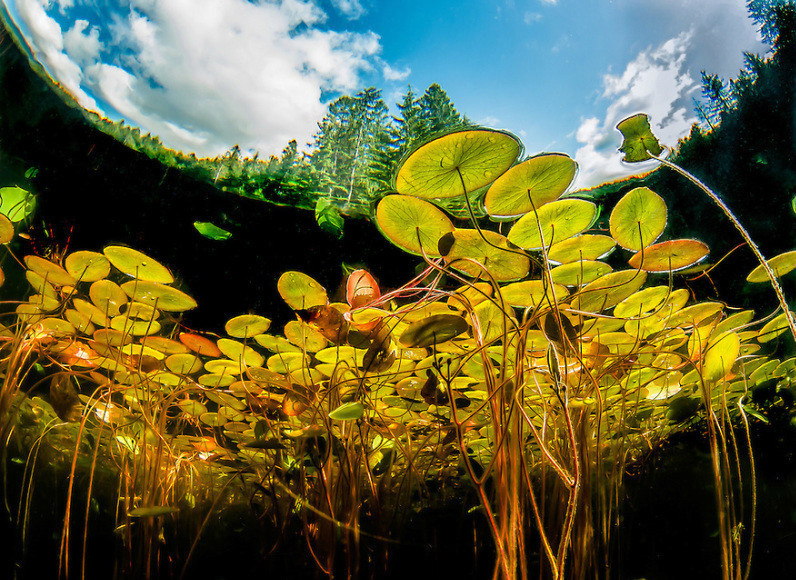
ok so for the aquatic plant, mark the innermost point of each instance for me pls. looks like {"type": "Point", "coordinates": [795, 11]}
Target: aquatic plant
{"type": "Point", "coordinates": [530, 366]}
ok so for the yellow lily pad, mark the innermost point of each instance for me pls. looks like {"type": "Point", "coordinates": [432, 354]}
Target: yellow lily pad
{"type": "Point", "coordinates": [781, 265]}
{"type": "Point", "coordinates": [669, 256]}
{"type": "Point", "coordinates": [138, 265]}
{"type": "Point", "coordinates": [529, 293]}
{"type": "Point", "coordinates": [501, 262]}
{"type": "Point", "coordinates": [247, 325]}
{"type": "Point", "coordinates": [583, 247]}
{"type": "Point", "coordinates": [158, 295]}
{"type": "Point", "coordinates": [301, 291]}
{"type": "Point", "coordinates": [638, 219]}
{"type": "Point", "coordinates": [579, 273]}
{"type": "Point", "coordinates": [86, 266]}
{"type": "Point", "coordinates": [553, 223]}
{"type": "Point", "coordinates": [412, 224]}
{"type": "Point", "coordinates": [51, 272]}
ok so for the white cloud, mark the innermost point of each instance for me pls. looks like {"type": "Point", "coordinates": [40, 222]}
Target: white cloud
{"type": "Point", "coordinates": [391, 74]}
{"type": "Point", "coordinates": [656, 82]}
{"type": "Point", "coordinates": [549, 2]}
{"type": "Point", "coordinates": [353, 9]}
{"type": "Point", "coordinates": [207, 74]}
{"type": "Point", "coordinates": [531, 17]}
{"type": "Point", "coordinates": [489, 122]}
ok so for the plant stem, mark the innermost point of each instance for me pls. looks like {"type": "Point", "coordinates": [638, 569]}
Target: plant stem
{"type": "Point", "coordinates": [747, 238]}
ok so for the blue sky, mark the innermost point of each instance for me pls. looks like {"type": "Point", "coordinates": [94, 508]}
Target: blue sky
{"type": "Point", "coordinates": [207, 74]}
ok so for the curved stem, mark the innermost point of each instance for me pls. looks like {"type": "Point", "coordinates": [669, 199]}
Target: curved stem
{"type": "Point", "coordinates": [747, 238]}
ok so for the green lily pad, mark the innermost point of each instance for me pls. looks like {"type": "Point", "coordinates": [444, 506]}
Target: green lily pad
{"type": "Point", "coordinates": [638, 219]}
{"type": "Point", "coordinates": [212, 231]}
{"type": "Point", "coordinates": [583, 247]}
{"type": "Point", "coordinates": [348, 411]}
{"type": "Point", "coordinates": [412, 224]}
{"type": "Point", "coordinates": [529, 293]}
{"type": "Point", "coordinates": [301, 291]}
{"type": "Point", "coordinates": [557, 221]}
{"type": "Point", "coordinates": [781, 265]}
{"type": "Point", "coordinates": [16, 203]}
{"type": "Point", "coordinates": [159, 295]}
{"type": "Point", "coordinates": [501, 262]}
{"type": "Point", "coordinates": [579, 273]}
{"type": "Point", "coordinates": [530, 185]}
{"type": "Point", "coordinates": [638, 141]}
{"type": "Point", "coordinates": [138, 265]}
{"type": "Point", "coordinates": [328, 217]}
{"type": "Point", "coordinates": [434, 329]}
{"type": "Point", "coordinates": [456, 163]}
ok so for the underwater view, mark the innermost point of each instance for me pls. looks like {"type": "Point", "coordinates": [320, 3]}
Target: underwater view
{"type": "Point", "coordinates": [270, 309]}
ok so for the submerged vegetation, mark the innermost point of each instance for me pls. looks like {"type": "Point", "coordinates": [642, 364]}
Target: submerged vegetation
{"type": "Point", "coordinates": [530, 364]}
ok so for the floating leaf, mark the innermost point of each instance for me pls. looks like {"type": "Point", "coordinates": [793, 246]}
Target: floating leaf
{"type": "Point", "coordinates": [51, 272]}
{"type": "Point", "coordinates": [579, 273]}
{"type": "Point", "coordinates": [152, 512]}
{"type": "Point", "coordinates": [608, 290]}
{"type": "Point", "coordinates": [781, 265]}
{"type": "Point", "coordinates": [557, 221]}
{"type": "Point", "coordinates": [16, 203]}
{"type": "Point", "coordinates": [530, 185]}
{"type": "Point", "coordinates": [328, 217]}
{"type": "Point", "coordinates": [638, 141]}
{"type": "Point", "coordinates": [212, 231]}
{"type": "Point", "coordinates": [720, 356]}
{"type": "Point", "coordinates": [412, 224]}
{"type": "Point", "coordinates": [501, 262]}
{"type": "Point", "coordinates": [774, 328]}
{"type": "Point", "coordinates": [86, 266]}
{"type": "Point", "coordinates": [433, 330]}
{"type": "Point", "coordinates": [347, 411]}
{"type": "Point", "coordinates": [669, 256]}
{"type": "Point", "coordinates": [583, 247]}
{"type": "Point", "coordinates": [247, 325]}
{"type": "Point", "coordinates": [638, 219]}
{"type": "Point", "coordinates": [456, 163]}
{"type": "Point", "coordinates": [529, 293]}
{"type": "Point", "coordinates": [200, 344]}
{"type": "Point", "coordinates": [158, 295]}
{"type": "Point", "coordinates": [300, 291]}
{"type": "Point", "coordinates": [361, 288]}
{"type": "Point", "coordinates": [137, 264]}
{"type": "Point", "coordinates": [6, 229]}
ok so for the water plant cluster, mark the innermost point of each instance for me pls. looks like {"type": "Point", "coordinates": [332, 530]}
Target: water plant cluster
{"type": "Point", "coordinates": [532, 360]}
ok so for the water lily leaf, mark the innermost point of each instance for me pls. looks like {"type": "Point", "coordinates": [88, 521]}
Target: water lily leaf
{"type": "Point", "coordinates": [6, 229]}
{"type": "Point", "coordinates": [200, 344]}
{"type": "Point", "coordinates": [669, 256]}
{"type": "Point", "coordinates": [529, 293]}
{"type": "Point", "coordinates": [638, 141]}
{"type": "Point", "coordinates": [530, 185]}
{"type": "Point", "coordinates": [583, 247]}
{"type": "Point", "coordinates": [247, 325]}
{"type": "Point", "coordinates": [774, 328]}
{"type": "Point", "coordinates": [432, 330]}
{"type": "Point", "coordinates": [557, 221]}
{"type": "Point", "coordinates": [609, 290]}
{"type": "Point", "coordinates": [348, 411]}
{"type": "Point", "coordinates": [301, 291]}
{"type": "Point", "coordinates": [152, 512]}
{"type": "Point", "coordinates": [638, 219]}
{"type": "Point", "coordinates": [239, 352]}
{"type": "Point", "coordinates": [107, 296]}
{"type": "Point", "coordinates": [412, 224]}
{"type": "Point", "coordinates": [212, 231]}
{"type": "Point", "coordinates": [159, 295]}
{"type": "Point", "coordinates": [781, 265]}
{"type": "Point", "coordinates": [720, 356]}
{"type": "Point", "coordinates": [138, 265]}
{"type": "Point", "coordinates": [579, 273]}
{"type": "Point", "coordinates": [361, 288]}
{"type": "Point", "coordinates": [86, 266]}
{"type": "Point", "coordinates": [328, 217]}
{"type": "Point", "coordinates": [501, 262]}
{"type": "Point", "coordinates": [51, 272]}
{"type": "Point", "coordinates": [456, 163]}
{"type": "Point", "coordinates": [16, 203]}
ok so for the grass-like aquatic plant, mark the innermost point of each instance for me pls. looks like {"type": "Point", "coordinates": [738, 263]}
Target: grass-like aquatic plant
{"type": "Point", "coordinates": [521, 366]}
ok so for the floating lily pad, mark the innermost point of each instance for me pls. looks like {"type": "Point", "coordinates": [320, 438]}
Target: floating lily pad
{"type": "Point", "coordinates": [412, 224]}
{"type": "Point", "coordinates": [583, 247]}
{"type": "Point", "coordinates": [638, 219]}
{"type": "Point", "coordinates": [669, 256]}
{"type": "Point", "coordinates": [774, 328]}
{"type": "Point", "coordinates": [579, 273]}
{"type": "Point", "coordinates": [781, 265]}
{"type": "Point", "coordinates": [638, 141]}
{"type": "Point", "coordinates": [159, 295]}
{"type": "Point", "coordinates": [720, 356]}
{"type": "Point", "coordinates": [501, 262]}
{"type": "Point", "coordinates": [529, 293]}
{"type": "Point", "coordinates": [107, 296]}
{"type": "Point", "coordinates": [530, 185]}
{"type": "Point", "coordinates": [6, 229]}
{"type": "Point", "coordinates": [247, 325]}
{"type": "Point", "coordinates": [456, 163]}
{"type": "Point", "coordinates": [304, 337]}
{"type": "Point", "coordinates": [301, 291]}
{"type": "Point", "coordinates": [609, 290]}
{"type": "Point", "coordinates": [152, 512]}
{"type": "Point", "coordinates": [86, 266]}
{"type": "Point", "coordinates": [239, 352]}
{"type": "Point", "coordinates": [200, 344]}
{"type": "Point", "coordinates": [53, 273]}
{"type": "Point", "coordinates": [138, 265]}
{"type": "Point", "coordinates": [16, 203]}
{"type": "Point", "coordinates": [557, 221]}
{"type": "Point", "coordinates": [184, 364]}
{"type": "Point", "coordinates": [433, 330]}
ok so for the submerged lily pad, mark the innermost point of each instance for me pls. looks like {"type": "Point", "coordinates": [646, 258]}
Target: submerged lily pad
{"type": "Point", "coordinates": [501, 262]}
{"type": "Point", "coordinates": [159, 295]}
{"type": "Point", "coordinates": [137, 264]}
{"type": "Point", "coordinates": [530, 185]}
{"type": "Point", "coordinates": [433, 330]}
{"type": "Point", "coordinates": [553, 223]}
{"type": "Point", "coordinates": [412, 224]}
{"type": "Point", "coordinates": [669, 256]}
{"type": "Point", "coordinates": [638, 219]}
{"type": "Point", "coordinates": [16, 203]}
{"type": "Point", "coordinates": [301, 291]}
{"type": "Point", "coordinates": [348, 411]}
{"type": "Point", "coordinates": [781, 265]}
{"type": "Point", "coordinates": [456, 163]}
{"type": "Point", "coordinates": [247, 325]}
{"type": "Point", "coordinates": [211, 231]}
